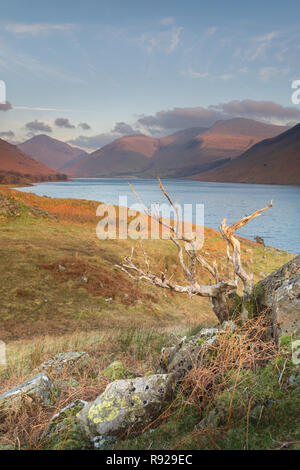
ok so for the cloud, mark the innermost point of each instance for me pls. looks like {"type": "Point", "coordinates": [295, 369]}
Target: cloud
{"type": "Point", "coordinates": [123, 128]}
{"type": "Point", "coordinates": [38, 126]}
{"type": "Point", "coordinates": [63, 122]}
{"type": "Point", "coordinates": [162, 41]}
{"type": "Point", "coordinates": [167, 20]}
{"type": "Point", "coordinates": [84, 126]}
{"type": "Point", "coordinates": [269, 73]}
{"type": "Point", "coordinates": [179, 118]}
{"type": "Point", "coordinates": [94, 142]}
{"type": "Point", "coordinates": [36, 29]}
{"type": "Point", "coordinates": [266, 110]}
{"type": "Point", "coordinates": [167, 121]}
{"type": "Point", "coordinates": [5, 106]}
{"type": "Point", "coordinates": [8, 134]}
{"type": "Point", "coordinates": [100, 140]}
{"type": "Point", "coordinates": [35, 108]}
{"type": "Point", "coordinates": [194, 74]}
{"type": "Point", "coordinates": [260, 45]}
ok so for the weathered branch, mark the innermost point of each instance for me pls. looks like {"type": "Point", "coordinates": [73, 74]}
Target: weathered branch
{"type": "Point", "coordinates": [228, 233]}
{"type": "Point", "coordinates": [217, 292]}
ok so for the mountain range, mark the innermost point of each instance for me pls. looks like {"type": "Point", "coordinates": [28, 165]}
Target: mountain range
{"type": "Point", "coordinates": [237, 150]}
{"type": "Point", "coordinates": [183, 154]}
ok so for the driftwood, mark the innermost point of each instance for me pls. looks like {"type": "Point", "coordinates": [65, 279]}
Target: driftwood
{"type": "Point", "coordinates": [188, 257]}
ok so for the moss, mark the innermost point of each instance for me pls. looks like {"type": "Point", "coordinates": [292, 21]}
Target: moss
{"type": "Point", "coordinates": [117, 371]}
{"type": "Point", "coordinates": [67, 436]}
{"type": "Point", "coordinates": [285, 341]}
{"type": "Point", "coordinates": [64, 433]}
{"type": "Point", "coordinates": [150, 372]}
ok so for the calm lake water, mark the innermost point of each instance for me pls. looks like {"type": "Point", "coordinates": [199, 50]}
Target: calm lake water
{"type": "Point", "coordinates": [279, 226]}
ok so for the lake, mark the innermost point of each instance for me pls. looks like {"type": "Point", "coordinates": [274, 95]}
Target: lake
{"type": "Point", "coordinates": [279, 226]}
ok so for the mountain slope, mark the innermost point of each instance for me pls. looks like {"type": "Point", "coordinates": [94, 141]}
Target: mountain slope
{"type": "Point", "coordinates": [51, 152]}
{"type": "Point", "coordinates": [12, 159]}
{"type": "Point", "coordinates": [125, 156]}
{"type": "Point", "coordinates": [272, 161]}
{"type": "Point", "coordinates": [211, 147]}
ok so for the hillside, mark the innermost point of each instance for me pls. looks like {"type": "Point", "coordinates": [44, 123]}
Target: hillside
{"type": "Point", "coordinates": [272, 161]}
{"type": "Point", "coordinates": [125, 156]}
{"type": "Point", "coordinates": [16, 165]}
{"type": "Point", "coordinates": [210, 148]}
{"type": "Point", "coordinates": [182, 154]}
{"type": "Point", "coordinates": [51, 152]}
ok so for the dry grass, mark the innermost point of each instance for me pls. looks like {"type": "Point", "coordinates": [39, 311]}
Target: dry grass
{"type": "Point", "coordinates": [138, 349]}
{"type": "Point", "coordinates": [245, 348]}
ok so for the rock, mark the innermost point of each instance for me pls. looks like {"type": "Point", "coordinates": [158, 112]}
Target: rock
{"type": "Point", "coordinates": [84, 279]}
{"type": "Point", "coordinates": [66, 360]}
{"type": "Point", "coordinates": [103, 442]}
{"type": "Point", "coordinates": [63, 432]}
{"type": "Point", "coordinates": [229, 326]}
{"type": "Point", "coordinates": [70, 410]}
{"type": "Point", "coordinates": [126, 406]}
{"type": "Point", "coordinates": [286, 308]}
{"type": "Point", "coordinates": [69, 383]}
{"type": "Point", "coordinates": [38, 387]}
{"type": "Point", "coordinates": [116, 370]}
{"type": "Point", "coordinates": [180, 359]}
{"type": "Point", "coordinates": [279, 293]}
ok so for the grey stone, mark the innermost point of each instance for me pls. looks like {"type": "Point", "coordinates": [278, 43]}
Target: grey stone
{"type": "Point", "coordinates": [279, 293]}
{"type": "Point", "coordinates": [126, 406]}
{"type": "Point", "coordinates": [103, 442]}
{"type": "Point", "coordinates": [180, 359]}
{"type": "Point", "coordinates": [66, 360]}
{"type": "Point", "coordinates": [38, 387]}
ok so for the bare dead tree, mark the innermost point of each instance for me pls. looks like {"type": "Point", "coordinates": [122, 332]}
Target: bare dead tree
{"type": "Point", "coordinates": [189, 257]}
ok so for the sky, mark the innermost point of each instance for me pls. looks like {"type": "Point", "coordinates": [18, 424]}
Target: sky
{"type": "Point", "coordinates": [89, 72]}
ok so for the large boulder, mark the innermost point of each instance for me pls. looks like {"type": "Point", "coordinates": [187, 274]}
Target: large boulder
{"type": "Point", "coordinates": [279, 293]}
{"type": "Point", "coordinates": [189, 352]}
{"type": "Point", "coordinates": [126, 406]}
{"type": "Point", "coordinates": [39, 387]}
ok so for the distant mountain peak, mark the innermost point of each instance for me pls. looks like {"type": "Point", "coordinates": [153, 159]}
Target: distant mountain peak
{"type": "Point", "coordinates": [52, 152]}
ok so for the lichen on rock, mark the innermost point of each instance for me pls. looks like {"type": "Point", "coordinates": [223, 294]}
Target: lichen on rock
{"type": "Point", "coordinates": [126, 405]}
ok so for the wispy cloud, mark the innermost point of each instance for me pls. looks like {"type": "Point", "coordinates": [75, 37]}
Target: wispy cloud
{"type": "Point", "coordinates": [36, 29]}
{"type": "Point", "coordinates": [40, 108]}
{"type": "Point", "coordinates": [167, 20]}
{"type": "Point", "coordinates": [161, 41]}
{"type": "Point", "coordinates": [194, 73]}
{"type": "Point", "coordinates": [20, 62]}
{"type": "Point", "coordinates": [269, 73]}
{"type": "Point", "coordinates": [260, 45]}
